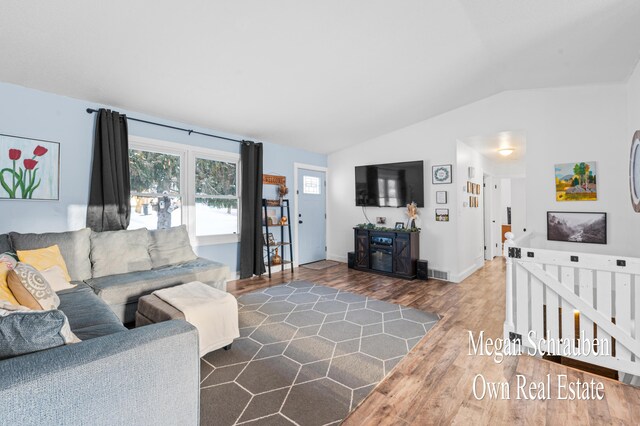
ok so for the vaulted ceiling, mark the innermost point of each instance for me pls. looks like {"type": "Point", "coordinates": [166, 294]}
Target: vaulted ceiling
{"type": "Point", "coordinates": [319, 75]}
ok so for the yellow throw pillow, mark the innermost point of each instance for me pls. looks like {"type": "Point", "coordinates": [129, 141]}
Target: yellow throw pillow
{"type": "Point", "coordinates": [7, 263]}
{"type": "Point", "coordinates": [44, 258]}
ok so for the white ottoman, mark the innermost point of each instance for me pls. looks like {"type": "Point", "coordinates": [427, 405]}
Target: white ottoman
{"type": "Point", "coordinates": [213, 312]}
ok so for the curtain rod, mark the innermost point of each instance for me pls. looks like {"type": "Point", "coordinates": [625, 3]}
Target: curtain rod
{"type": "Point", "coordinates": [91, 111]}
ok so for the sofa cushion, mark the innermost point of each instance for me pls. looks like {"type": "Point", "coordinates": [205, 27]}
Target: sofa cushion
{"type": "Point", "coordinates": [170, 246]}
{"type": "Point", "coordinates": [24, 331]}
{"type": "Point", "coordinates": [119, 252]}
{"type": "Point", "coordinates": [88, 315]}
{"type": "Point", "coordinates": [127, 288]}
{"type": "Point", "coordinates": [44, 258]}
{"type": "Point", "coordinates": [30, 288]}
{"type": "Point", "coordinates": [74, 246]}
{"type": "Point", "coordinates": [5, 243]}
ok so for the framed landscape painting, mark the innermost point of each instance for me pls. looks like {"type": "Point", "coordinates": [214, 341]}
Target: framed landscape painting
{"type": "Point", "coordinates": [576, 181]}
{"type": "Point", "coordinates": [29, 168]}
{"type": "Point", "coordinates": [577, 227]}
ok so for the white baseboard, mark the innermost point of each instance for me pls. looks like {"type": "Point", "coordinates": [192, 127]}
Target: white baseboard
{"type": "Point", "coordinates": [467, 272]}
{"type": "Point", "coordinates": [337, 258]}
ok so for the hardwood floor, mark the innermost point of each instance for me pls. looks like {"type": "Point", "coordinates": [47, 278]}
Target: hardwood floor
{"type": "Point", "coordinates": [433, 384]}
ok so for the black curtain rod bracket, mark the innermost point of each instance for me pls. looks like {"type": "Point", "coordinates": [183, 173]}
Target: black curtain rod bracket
{"type": "Point", "coordinates": [189, 131]}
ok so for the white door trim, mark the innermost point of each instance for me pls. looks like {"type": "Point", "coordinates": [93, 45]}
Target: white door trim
{"type": "Point", "coordinates": [487, 183]}
{"type": "Point", "coordinates": [296, 168]}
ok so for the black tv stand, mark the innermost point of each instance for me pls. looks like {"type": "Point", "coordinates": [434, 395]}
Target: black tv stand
{"type": "Point", "coordinates": [392, 253]}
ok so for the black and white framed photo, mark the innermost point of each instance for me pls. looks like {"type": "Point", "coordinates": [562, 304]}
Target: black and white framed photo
{"type": "Point", "coordinates": [577, 227]}
{"type": "Point", "coordinates": [381, 220]}
{"type": "Point", "coordinates": [442, 215]}
{"type": "Point", "coordinates": [441, 197]}
{"type": "Point", "coordinates": [441, 174]}
{"type": "Point", "coordinates": [399, 225]}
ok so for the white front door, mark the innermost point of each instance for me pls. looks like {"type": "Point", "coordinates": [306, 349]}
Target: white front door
{"type": "Point", "coordinates": [312, 218]}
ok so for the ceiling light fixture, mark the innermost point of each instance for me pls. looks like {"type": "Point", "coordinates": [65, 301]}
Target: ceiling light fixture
{"type": "Point", "coordinates": [505, 152]}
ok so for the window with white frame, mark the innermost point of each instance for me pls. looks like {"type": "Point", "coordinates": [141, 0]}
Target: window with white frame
{"type": "Point", "coordinates": [173, 184]}
{"type": "Point", "coordinates": [216, 197]}
{"type": "Point", "coordinates": [310, 185]}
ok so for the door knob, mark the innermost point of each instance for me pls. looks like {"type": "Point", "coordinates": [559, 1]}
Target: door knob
{"type": "Point", "coordinates": [299, 221]}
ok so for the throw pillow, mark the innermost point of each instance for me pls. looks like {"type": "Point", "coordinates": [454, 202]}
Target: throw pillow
{"type": "Point", "coordinates": [74, 246]}
{"type": "Point", "coordinates": [24, 331]}
{"type": "Point", "coordinates": [120, 252]}
{"type": "Point", "coordinates": [31, 289]}
{"type": "Point", "coordinates": [44, 258]}
{"type": "Point", "coordinates": [56, 279]}
{"type": "Point", "coordinates": [7, 263]}
{"type": "Point", "coordinates": [170, 246]}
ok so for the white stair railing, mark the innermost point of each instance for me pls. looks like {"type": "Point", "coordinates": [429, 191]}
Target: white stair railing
{"type": "Point", "coordinates": [578, 305]}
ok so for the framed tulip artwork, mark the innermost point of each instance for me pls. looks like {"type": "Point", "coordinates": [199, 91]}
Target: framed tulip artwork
{"type": "Point", "coordinates": [29, 168]}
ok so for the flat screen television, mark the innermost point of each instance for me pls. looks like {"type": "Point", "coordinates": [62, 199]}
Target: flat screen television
{"type": "Point", "coordinates": [390, 185]}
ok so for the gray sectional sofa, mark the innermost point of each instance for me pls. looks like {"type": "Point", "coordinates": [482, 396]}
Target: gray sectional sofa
{"type": "Point", "coordinates": [148, 375]}
{"type": "Point", "coordinates": [122, 266]}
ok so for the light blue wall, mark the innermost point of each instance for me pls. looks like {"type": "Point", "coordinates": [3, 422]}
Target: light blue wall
{"type": "Point", "coordinates": [35, 114]}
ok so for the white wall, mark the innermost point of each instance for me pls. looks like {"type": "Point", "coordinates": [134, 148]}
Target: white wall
{"type": "Point", "coordinates": [470, 226]}
{"type": "Point", "coordinates": [496, 226]}
{"type": "Point", "coordinates": [562, 125]}
{"type": "Point", "coordinates": [519, 197]}
{"type": "Point", "coordinates": [633, 124]}
{"type": "Point", "coordinates": [394, 147]}
{"type": "Point", "coordinates": [505, 200]}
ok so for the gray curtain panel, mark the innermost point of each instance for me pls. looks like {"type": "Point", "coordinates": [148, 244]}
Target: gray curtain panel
{"type": "Point", "coordinates": [251, 257]}
{"type": "Point", "coordinates": [109, 208]}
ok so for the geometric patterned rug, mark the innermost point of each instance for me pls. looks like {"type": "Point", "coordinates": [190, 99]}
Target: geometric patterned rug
{"type": "Point", "coordinates": [307, 355]}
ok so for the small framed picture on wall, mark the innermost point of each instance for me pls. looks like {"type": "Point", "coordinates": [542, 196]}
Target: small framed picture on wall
{"type": "Point", "coordinates": [441, 174]}
{"type": "Point", "coordinates": [442, 215]}
{"type": "Point", "coordinates": [441, 197]}
{"type": "Point", "coordinates": [269, 240]}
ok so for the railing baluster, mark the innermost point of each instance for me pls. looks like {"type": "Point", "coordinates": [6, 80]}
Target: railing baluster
{"type": "Point", "coordinates": [623, 310]}
{"type": "Point", "coordinates": [603, 304]}
{"type": "Point", "coordinates": [537, 306]}
{"type": "Point", "coordinates": [585, 278]}
{"type": "Point", "coordinates": [522, 300]}
{"type": "Point", "coordinates": [567, 277]}
{"type": "Point", "coordinates": [508, 321]}
{"type": "Point", "coordinates": [553, 315]}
